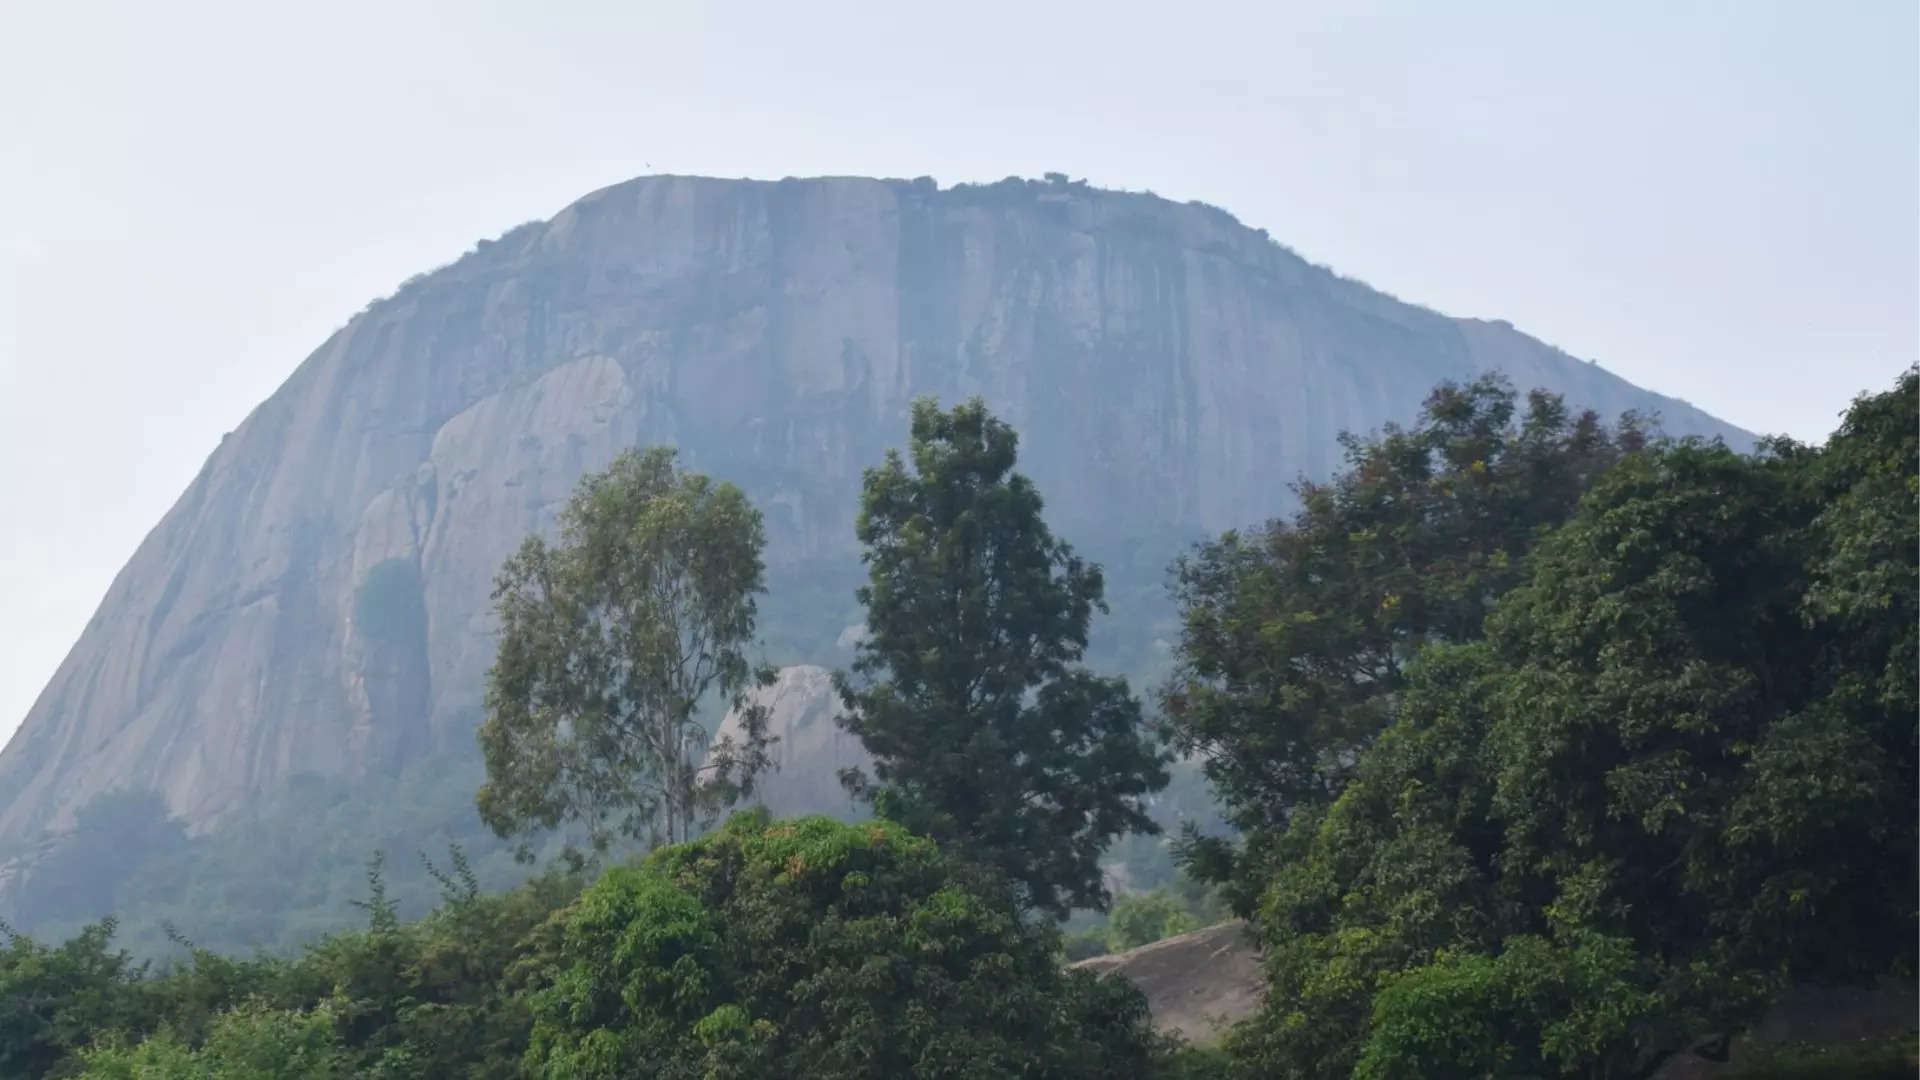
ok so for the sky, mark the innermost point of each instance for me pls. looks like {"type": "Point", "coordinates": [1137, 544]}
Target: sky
{"type": "Point", "coordinates": [1718, 201]}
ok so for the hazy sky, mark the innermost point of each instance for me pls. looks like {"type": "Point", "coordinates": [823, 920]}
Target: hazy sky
{"type": "Point", "coordinates": [1717, 201]}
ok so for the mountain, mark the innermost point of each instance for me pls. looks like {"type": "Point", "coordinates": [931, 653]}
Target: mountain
{"type": "Point", "coordinates": [316, 603]}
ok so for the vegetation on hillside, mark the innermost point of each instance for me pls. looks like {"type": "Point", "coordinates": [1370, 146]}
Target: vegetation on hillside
{"type": "Point", "coordinates": [1550, 747]}
{"type": "Point", "coordinates": [1551, 798]}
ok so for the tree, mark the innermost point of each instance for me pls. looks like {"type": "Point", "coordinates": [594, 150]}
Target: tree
{"type": "Point", "coordinates": [1295, 638]}
{"type": "Point", "coordinates": [250, 1042]}
{"type": "Point", "coordinates": [1141, 918]}
{"type": "Point", "coordinates": [1675, 775]}
{"type": "Point", "coordinates": [813, 948]}
{"type": "Point", "coordinates": [113, 836]}
{"type": "Point", "coordinates": [1536, 1009]}
{"type": "Point", "coordinates": [55, 1001]}
{"type": "Point", "coordinates": [608, 642]}
{"type": "Point", "coordinates": [986, 733]}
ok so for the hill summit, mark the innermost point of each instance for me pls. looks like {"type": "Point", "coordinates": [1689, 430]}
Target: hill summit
{"type": "Point", "coordinates": [317, 600]}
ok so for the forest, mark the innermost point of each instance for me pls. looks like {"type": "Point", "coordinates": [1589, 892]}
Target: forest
{"type": "Point", "coordinates": [1549, 747]}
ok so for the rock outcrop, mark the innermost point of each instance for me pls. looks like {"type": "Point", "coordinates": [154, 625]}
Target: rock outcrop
{"type": "Point", "coordinates": [812, 748]}
{"type": "Point", "coordinates": [1196, 984]}
{"type": "Point", "coordinates": [317, 600]}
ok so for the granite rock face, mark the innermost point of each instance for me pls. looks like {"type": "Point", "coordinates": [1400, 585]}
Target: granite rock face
{"type": "Point", "coordinates": [317, 600]}
{"type": "Point", "coordinates": [811, 748]}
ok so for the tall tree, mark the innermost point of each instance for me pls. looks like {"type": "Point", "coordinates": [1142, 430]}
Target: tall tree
{"type": "Point", "coordinates": [608, 642]}
{"type": "Point", "coordinates": [1295, 637]}
{"type": "Point", "coordinates": [986, 733]}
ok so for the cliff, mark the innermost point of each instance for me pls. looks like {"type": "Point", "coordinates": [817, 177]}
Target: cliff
{"type": "Point", "coordinates": [317, 600]}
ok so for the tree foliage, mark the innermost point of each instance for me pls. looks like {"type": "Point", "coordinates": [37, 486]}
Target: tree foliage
{"type": "Point", "coordinates": [813, 948]}
{"type": "Point", "coordinates": [251, 1042]}
{"type": "Point", "coordinates": [1139, 917]}
{"type": "Point", "coordinates": [113, 834]}
{"type": "Point", "coordinates": [55, 1000]}
{"type": "Point", "coordinates": [986, 733]}
{"type": "Point", "coordinates": [1676, 775]}
{"type": "Point", "coordinates": [1538, 1008]}
{"type": "Point", "coordinates": [1295, 638]}
{"type": "Point", "coordinates": [608, 641]}
{"type": "Point", "coordinates": [798, 948]}
{"type": "Point", "coordinates": [1553, 750]}
{"type": "Point", "coordinates": [444, 996]}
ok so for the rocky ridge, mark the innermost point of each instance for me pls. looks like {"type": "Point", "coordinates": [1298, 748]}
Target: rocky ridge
{"type": "Point", "coordinates": [317, 600]}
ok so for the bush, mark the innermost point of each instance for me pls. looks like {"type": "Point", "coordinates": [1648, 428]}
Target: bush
{"type": "Point", "coordinates": [818, 949]}
{"type": "Point", "coordinates": [252, 1042]}
{"type": "Point", "coordinates": [1143, 918]}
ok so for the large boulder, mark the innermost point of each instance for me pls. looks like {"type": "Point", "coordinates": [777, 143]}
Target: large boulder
{"type": "Point", "coordinates": [812, 748]}
{"type": "Point", "coordinates": [1197, 983]}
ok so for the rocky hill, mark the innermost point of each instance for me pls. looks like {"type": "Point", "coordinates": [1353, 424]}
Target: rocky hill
{"type": "Point", "coordinates": [317, 600]}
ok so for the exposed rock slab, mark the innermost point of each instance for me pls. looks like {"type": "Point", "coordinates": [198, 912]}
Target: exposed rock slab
{"type": "Point", "coordinates": [1197, 983]}
{"type": "Point", "coordinates": [812, 748]}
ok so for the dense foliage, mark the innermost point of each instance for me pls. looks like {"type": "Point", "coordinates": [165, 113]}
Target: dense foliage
{"type": "Point", "coordinates": [1295, 638]}
{"type": "Point", "coordinates": [437, 997]}
{"type": "Point", "coordinates": [1551, 749]}
{"type": "Point", "coordinates": [1142, 917]}
{"type": "Point", "coordinates": [1673, 775]}
{"type": "Point", "coordinates": [986, 732]}
{"type": "Point", "coordinates": [608, 641]}
{"type": "Point", "coordinates": [818, 949]}
{"type": "Point", "coordinates": [800, 948]}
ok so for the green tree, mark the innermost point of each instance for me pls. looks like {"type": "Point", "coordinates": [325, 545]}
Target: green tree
{"type": "Point", "coordinates": [1142, 918]}
{"type": "Point", "coordinates": [812, 948]}
{"type": "Point", "coordinates": [986, 733]}
{"type": "Point", "coordinates": [55, 1001]}
{"type": "Point", "coordinates": [1536, 1009]}
{"type": "Point", "coordinates": [443, 996]}
{"type": "Point", "coordinates": [253, 1041]}
{"type": "Point", "coordinates": [1677, 773]}
{"type": "Point", "coordinates": [608, 642]}
{"type": "Point", "coordinates": [80, 877]}
{"type": "Point", "coordinates": [1295, 638]}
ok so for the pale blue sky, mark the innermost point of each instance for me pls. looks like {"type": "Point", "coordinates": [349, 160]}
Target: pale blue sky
{"type": "Point", "coordinates": [1718, 201]}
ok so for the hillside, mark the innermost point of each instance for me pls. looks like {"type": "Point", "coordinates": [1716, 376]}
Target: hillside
{"type": "Point", "coordinates": [316, 601]}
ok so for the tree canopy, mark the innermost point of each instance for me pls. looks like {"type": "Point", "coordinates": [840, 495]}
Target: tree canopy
{"type": "Point", "coordinates": [986, 732]}
{"type": "Point", "coordinates": [1553, 748]}
{"type": "Point", "coordinates": [1675, 776]}
{"type": "Point", "coordinates": [1296, 637]}
{"type": "Point", "coordinates": [608, 641]}
{"type": "Point", "coordinates": [813, 948]}
{"type": "Point", "coordinates": [765, 948]}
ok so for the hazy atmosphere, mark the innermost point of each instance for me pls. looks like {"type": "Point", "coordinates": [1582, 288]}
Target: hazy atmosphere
{"type": "Point", "coordinates": [1715, 201]}
{"type": "Point", "coordinates": [724, 541]}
